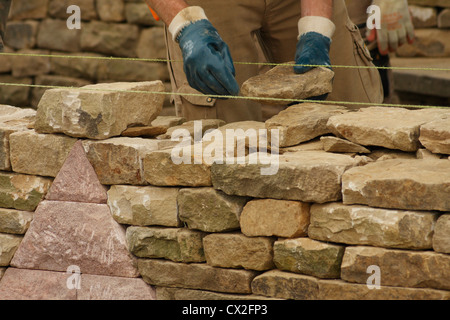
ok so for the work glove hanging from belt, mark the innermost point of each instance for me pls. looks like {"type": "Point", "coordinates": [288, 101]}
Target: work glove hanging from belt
{"type": "Point", "coordinates": [313, 46]}
{"type": "Point", "coordinates": [207, 60]}
{"type": "Point", "coordinates": [396, 27]}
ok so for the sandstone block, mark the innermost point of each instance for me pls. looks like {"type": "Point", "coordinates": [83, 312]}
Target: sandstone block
{"type": "Point", "coordinates": [361, 225]}
{"type": "Point", "coordinates": [444, 19]}
{"type": "Point", "coordinates": [58, 8]}
{"type": "Point", "coordinates": [132, 71]}
{"type": "Point", "coordinates": [23, 9]}
{"type": "Point", "coordinates": [14, 221]}
{"type": "Point", "coordinates": [399, 268]}
{"type": "Point", "coordinates": [168, 121]}
{"type": "Point", "coordinates": [111, 11]}
{"type": "Point", "coordinates": [282, 83]}
{"type": "Point", "coordinates": [46, 157]}
{"type": "Point", "coordinates": [15, 95]}
{"type": "Point", "coordinates": [269, 217]}
{"type": "Point", "coordinates": [166, 293]}
{"type": "Point", "coordinates": [152, 44]}
{"type": "Point", "coordinates": [53, 34]}
{"type": "Point", "coordinates": [399, 184]}
{"type": "Point", "coordinates": [22, 192]}
{"type": "Point", "coordinates": [99, 111]}
{"type": "Point", "coordinates": [209, 210]}
{"type": "Point", "coordinates": [310, 257]}
{"type": "Point", "coordinates": [138, 13]}
{"type": "Point", "coordinates": [235, 250]}
{"type": "Point", "coordinates": [423, 17]}
{"type": "Point", "coordinates": [8, 246]}
{"type": "Point", "coordinates": [334, 144]}
{"type": "Point", "coordinates": [176, 244]}
{"type": "Point", "coordinates": [435, 136]}
{"type": "Point", "coordinates": [303, 122]}
{"type": "Point", "coordinates": [85, 67]}
{"type": "Point", "coordinates": [431, 42]}
{"type": "Point", "coordinates": [441, 238]}
{"type": "Point", "coordinates": [144, 206]}
{"type": "Point", "coordinates": [28, 66]}
{"type": "Point", "coordinates": [195, 276]}
{"type": "Point", "coordinates": [21, 34]}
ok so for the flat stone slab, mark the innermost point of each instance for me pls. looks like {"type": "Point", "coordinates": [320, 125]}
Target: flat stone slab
{"type": "Point", "coordinates": [441, 238]}
{"type": "Point", "coordinates": [72, 233]}
{"type": "Point", "coordinates": [282, 82]}
{"type": "Point", "coordinates": [335, 144]}
{"type": "Point", "coordinates": [14, 221]}
{"type": "Point", "coordinates": [435, 136]}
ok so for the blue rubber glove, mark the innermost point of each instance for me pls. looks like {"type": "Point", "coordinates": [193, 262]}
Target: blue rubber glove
{"type": "Point", "coordinates": [207, 60]}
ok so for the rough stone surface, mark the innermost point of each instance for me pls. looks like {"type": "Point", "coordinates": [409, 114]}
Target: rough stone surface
{"type": "Point", "coordinates": [423, 17]}
{"type": "Point", "coordinates": [22, 192]}
{"type": "Point", "coordinates": [45, 158]}
{"type": "Point", "coordinates": [392, 128]}
{"type": "Point", "coordinates": [444, 19]}
{"type": "Point", "coordinates": [309, 176]}
{"type": "Point", "coordinates": [64, 233]}
{"type": "Point", "coordinates": [147, 132]}
{"type": "Point", "coordinates": [399, 268]}
{"type": "Point", "coordinates": [361, 225]}
{"type": "Point", "coordinates": [235, 250]}
{"type": "Point", "coordinates": [99, 111]}
{"type": "Point", "coordinates": [435, 136]}
{"type": "Point", "coordinates": [269, 217]}
{"type": "Point", "coordinates": [195, 276]}
{"type": "Point", "coordinates": [399, 184]}
{"type": "Point", "coordinates": [334, 144]}
{"type": "Point", "coordinates": [14, 221]}
{"type": "Point", "coordinates": [144, 206]}
{"type": "Point", "coordinates": [196, 128]}
{"type": "Point", "coordinates": [430, 42]}
{"type": "Point", "coordinates": [168, 121]}
{"type": "Point", "coordinates": [209, 210]}
{"type": "Point", "coordinates": [176, 244]}
{"type": "Point", "coordinates": [441, 238]}
{"type": "Point", "coordinates": [166, 293]}
{"type": "Point", "coordinates": [310, 257]}
{"type": "Point", "coordinates": [77, 180]}
{"type": "Point", "coordinates": [282, 83]}
{"type": "Point", "coordinates": [8, 246]}
{"type": "Point", "coordinates": [303, 122]}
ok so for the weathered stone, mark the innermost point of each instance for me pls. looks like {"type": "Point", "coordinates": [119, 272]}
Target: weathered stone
{"type": "Point", "coordinates": [166, 293]}
{"type": "Point", "coordinates": [72, 233]}
{"type": "Point", "coordinates": [111, 11]}
{"type": "Point", "coordinates": [14, 221]}
{"type": "Point", "coordinates": [84, 65]}
{"type": "Point", "coordinates": [282, 82]}
{"type": "Point", "coordinates": [12, 119]}
{"type": "Point", "coordinates": [15, 95]}
{"type": "Point", "coordinates": [58, 8]}
{"type": "Point", "coordinates": [28, 65]}
{"type": "Point", "coordinates": [119, 160]}
{"type": "Point", "coordinates": [431, 3]}
{"type": "Point", "coordinates": [334, 144]}
{"type": "Point", "coordinates": [269, 217]}
{"type": "Point", "coordinates": [392, 128]}
{"type": "Point", "coordinates": [22, 192]}
{"type": "Point", "coordinates": [399, 268]}
{"type": "Point", "coordinates": [426, 154]}
{"type": "Point", "coordinates": [22, 284]}
{"type": "Point", "coordinates": [196, 128]}
{"type": "Point", "coordinates": [23, 9]}
{"type": "Point", "coordinates": [309, 176]}
{"type": "Point", "coordinates": [144, 206]}
{"type": "Point", "coordinates": [195, 276]}
{"type": "Point", "coordinates": [147, 132]}
{"type": "Point", "coordinates": [363, 225]}
{"type": "Point", "coordinates": [168, 121]}
{"type": "Point", "coordinates": [399, 184]}
{"type": "Point", "coordinates": [381, 154]}
{"type": "Point", "coordinates": [99, 111]}
{"type": "Point", "coordinates": [138, 13]}
{"type": "Point", "coordinates": [45, 158]}
{"type": "Point", "coordinates": [430, 42]}
{"type": "Point", "coordinates": [310, 257]}
{"type": "Point", "coordinates": [152, 44]}
{"type": "Point", "coordinates": [423, 17]}
{"type": "Point", "coordinates": [94, 287]}
{"type": "Point", "coordinates": [313, 145]}
{"type": "Point", "coordinates": [77, 181]}
{"type": "Point", "coordinates": [435, 136]}
{"type": "Point", "coordinates": [235, 250]}
{"type": "Point", "coordinates": [441, 238]}
{"type": "Point", "coordinates": [2, 272]}
{"type": "Point", "coordinates": [8, 246]}
{"type": "Point", "coordinates": [132, 71]}
{"type": "Point", "coordinates": [6, 61]}
{"type": "Point", "coordinates": [444, 19]}
{"type": "Point", "coordinates": [176, 244]}
{"type": "Point", "coordinates": [209, 210]}
{"type": "Point", "coordinates": [53, 34]}
{"type": "Point", "coordinates": [303, 122]}
{"type": "Point", "coordinates": [21, 34]}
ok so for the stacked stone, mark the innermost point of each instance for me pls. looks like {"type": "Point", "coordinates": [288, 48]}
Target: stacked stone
{"type": "Point", "coordinates": [350, 191]}
{"type": "Point", "coordinates": [115, 28]}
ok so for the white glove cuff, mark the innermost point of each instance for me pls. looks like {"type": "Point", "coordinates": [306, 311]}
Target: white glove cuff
{"type": "Point", "coordinates": [184, 18]}
{"type": "Point", "coordinates": [317, 24]}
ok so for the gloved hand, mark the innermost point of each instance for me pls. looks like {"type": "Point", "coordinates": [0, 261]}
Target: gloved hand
{"type": "Point", "coordinates": [207, 60]}
{"type": "Point", "coordinates": [313, 46]}
{"type": "Point", "coordinates": [396, 26]}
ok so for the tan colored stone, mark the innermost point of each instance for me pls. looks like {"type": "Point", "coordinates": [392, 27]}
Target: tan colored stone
{"type": "Point", "coordinates": [423, 17]}
{"type": "Point", "coordinates": [168, 121]}
{"type": "Point", "coordinates": [15, 221]}
{"type": "Point", "coordinates": [195, 276]}
{"type": "Point", "coordinates": [430, 42]}
{"type": "Point", "coordinates": [209, 210]}
{"type": "Point", "coordinates": [303, 122]}
{"type": "Point", "coordinates": [8, 246]}
{"type": "Point", "coordinates": [361, 225]}
{"type": "Point", "coordinates": [282, 82]}
{"type": "Point", "coordinates": [426, 154]}
{"type": "Point", "coordinates": [166, 293]}
{"type": "Point", "coordinates": [99, 111]}
{"type": "Point", "coordinates": [313, 145]}
{"type": "Point", "coordinates": [435, 136]}
{"type": "Point", "coordinates": [147, 132]}
{"type": "Point", "coordinates": [269, 217]}
{"type": "Point", "coordinates": [176, 244]}
{"type": "Point", "coordinates": [113, 11]}
{"type": "Point", "coordinates": [47, 156]}
{"type": "Point", "coordinates": [334, 144]}
{"type": "Point", "coordinates": [441, 238]}
{"type": "Point", "coordinates": [144, 206]}
{"type": "Point", "coordinates": [399, 184]}
{"type": "Point", "coordinates": [235, 250]}
{"type": "Point", "coordinates": [399, 268]}
{"type": "Point", "coordinates": [310, 257]}
{"type": "Point", "coordinates": [196, 128]}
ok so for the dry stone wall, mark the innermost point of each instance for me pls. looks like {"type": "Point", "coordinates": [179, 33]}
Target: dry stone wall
{"type": "Point", "coordinates": [367, 219]}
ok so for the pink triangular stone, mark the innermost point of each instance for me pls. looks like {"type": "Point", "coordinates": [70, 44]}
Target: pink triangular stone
{"type": "Point", "coordinates": [77, 180]}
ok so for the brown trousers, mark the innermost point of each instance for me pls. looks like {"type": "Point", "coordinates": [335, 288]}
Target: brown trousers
{"type": "Point", "coordinates": [266, 30]}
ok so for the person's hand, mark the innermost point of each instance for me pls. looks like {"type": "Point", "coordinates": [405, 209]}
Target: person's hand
{"type": "Point", "coordinates": [396, 26]}
{"type": "Point", "coordinates": [313, 46]}
{"type": "Point", "coordinates": [207, 60]}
